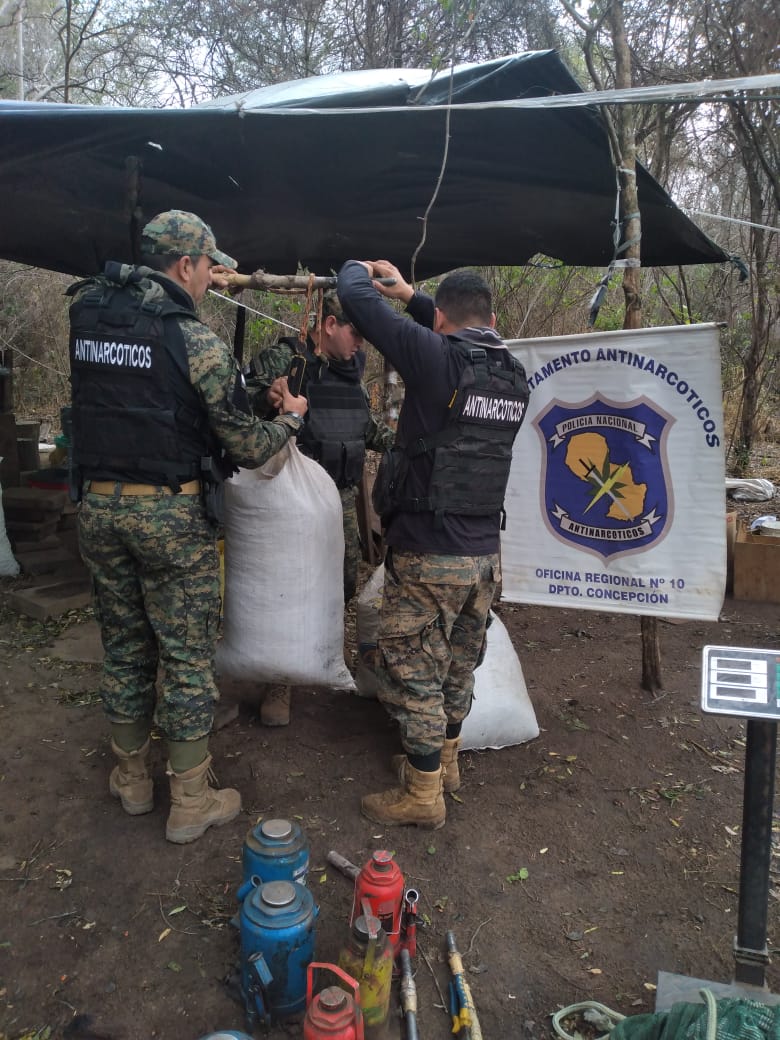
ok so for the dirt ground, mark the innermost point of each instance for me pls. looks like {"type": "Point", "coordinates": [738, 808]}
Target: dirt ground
{"type": "Point", "coordinates": [576, 866]}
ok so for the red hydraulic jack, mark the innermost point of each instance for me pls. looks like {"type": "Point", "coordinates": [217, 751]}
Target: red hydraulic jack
{"type": "Point", "coordinates": [405, 909]}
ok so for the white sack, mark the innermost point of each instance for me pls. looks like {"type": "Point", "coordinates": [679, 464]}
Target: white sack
{"type": "Point", "coordinates": [284, 582]}
{"type": "Point", "coordinates": [501, 714]}
{"type": "Point", "coordinates": [9, 568]}
{"type": "Point", "coordinates": [750, 489]}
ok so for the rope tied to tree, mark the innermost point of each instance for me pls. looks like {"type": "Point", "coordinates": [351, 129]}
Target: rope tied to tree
{"type": "Point", "coordinates": [618, 247]}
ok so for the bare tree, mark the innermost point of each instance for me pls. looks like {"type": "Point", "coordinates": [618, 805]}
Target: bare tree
{"type": "Point", "coordinates": [623, 135]}
{"type": "Point", "coordinates": [75, 52]}
{"type": "Point", "coordinates": [739, 43]}
{"type": "Point", "coordinates": [226, 46]}
{"type": "Point", "coordinates": [736, 151]}
{"type": "Point", "coordinates": [721, 159]}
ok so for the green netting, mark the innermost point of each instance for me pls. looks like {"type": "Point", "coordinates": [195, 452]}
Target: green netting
{"type": "Point", "coordinates": [727, 1019]}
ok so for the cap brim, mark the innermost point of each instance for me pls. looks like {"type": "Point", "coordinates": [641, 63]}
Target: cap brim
{"type": "Point", "coordinates": [224, 259]}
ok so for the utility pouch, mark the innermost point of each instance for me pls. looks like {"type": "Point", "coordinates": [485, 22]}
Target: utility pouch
{"type": "Point", "coordinates": [212, 490]}
{"type": "Point", "coordinates": [390, 479]}
{"type": "Point", "coordinates": [75, 480]}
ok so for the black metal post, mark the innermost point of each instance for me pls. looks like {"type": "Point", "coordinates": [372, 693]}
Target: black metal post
{"type": "Point", "coordinates": [750, 950]}
{"type": "Point", "coordinates": [238, 335]}
{"type": "Point", "coordinates": [133, 210]}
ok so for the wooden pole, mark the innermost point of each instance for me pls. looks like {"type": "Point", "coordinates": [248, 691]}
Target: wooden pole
{"type": "Point", "coordinates": [293, 283]}
{"type": "Point", "coordinates": [279, 282]}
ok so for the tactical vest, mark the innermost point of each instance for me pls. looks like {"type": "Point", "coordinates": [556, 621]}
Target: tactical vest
{"type": "Point", "coordinates": [136, 416]}
{"type": "Point", "coordinates": [472, 454]}
{"type": "Point", "coordinates": [334, 433]}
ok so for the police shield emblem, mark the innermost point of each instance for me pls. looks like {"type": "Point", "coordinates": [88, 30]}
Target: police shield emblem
{"type": "Point", "coordinates": [606, 475]}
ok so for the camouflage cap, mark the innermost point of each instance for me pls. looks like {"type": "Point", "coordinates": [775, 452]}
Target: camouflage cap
{"type": "Point", "coordinates": [331, 304]}
{"type": "Point", "coordinates": [179, 233]}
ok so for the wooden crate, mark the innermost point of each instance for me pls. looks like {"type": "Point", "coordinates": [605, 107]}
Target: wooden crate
{"type": "Point", "coordinates": [756, 566]}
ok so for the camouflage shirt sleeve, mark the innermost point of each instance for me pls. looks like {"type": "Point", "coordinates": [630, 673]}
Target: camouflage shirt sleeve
{"type": "Point", "coordinates": [379, 436]}
{"type": "Point", "coordinates": [266, 366]}
{"type": "Point", "coordinates": [215, 374]}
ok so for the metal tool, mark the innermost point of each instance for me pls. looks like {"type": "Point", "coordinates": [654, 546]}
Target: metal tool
{"type": "Point", "coordinates": [467, 1013]}
{"type": "Point", "coordinates": [408, 997]}
{"type": "Point", "coordinates": [342, 864]}
{"type": "Point", "coordinates": [409, 921]}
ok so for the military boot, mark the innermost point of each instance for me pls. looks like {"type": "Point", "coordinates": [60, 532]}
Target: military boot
{"type": "Point", "coordinates": [418, 801]}
{"type": "Point", "coordinates": [275, 709]}
{"type": "Point", "coordinates": [449, 762]}
{"type": "Point", "coordinates": [130, 780]}
{"type": "Point", "coordinates": [196, 806]}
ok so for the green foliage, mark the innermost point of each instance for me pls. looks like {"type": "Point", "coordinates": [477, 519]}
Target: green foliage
{"type": "Point", "coordinates": [520, 875]}
{"type": "Point", "coordinates": [741, 457]}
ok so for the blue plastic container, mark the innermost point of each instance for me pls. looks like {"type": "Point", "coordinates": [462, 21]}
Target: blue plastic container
{"type": "Point", "coordinates": [276, 922]}
{"type": "Point", "coordinates": [275, 850]}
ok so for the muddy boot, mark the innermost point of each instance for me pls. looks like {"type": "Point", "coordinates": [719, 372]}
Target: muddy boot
{"type": "Point", "coordinates": [419, 801]}
{"type": "Point", "coordinates": [195, 806]}
{"type": "Point", "coordinates": [449, 761]}
{"type": "Point", "coordinates": [130, 780]}
{"type": "Point", "coordinates": [398, 765]}
{"type": "Point", "coordinates": [275, 709]}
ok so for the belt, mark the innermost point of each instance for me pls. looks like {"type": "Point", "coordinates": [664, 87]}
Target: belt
{"type": "Point", "coordinates": [116, 487]}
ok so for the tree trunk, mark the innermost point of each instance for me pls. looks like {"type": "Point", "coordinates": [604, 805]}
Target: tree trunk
{"type": "Point", "coordinates": [631, 224]}
{"type": "Point", "coordinates": [754, 363]}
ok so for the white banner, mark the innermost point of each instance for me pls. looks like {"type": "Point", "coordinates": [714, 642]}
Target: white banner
{"type": "Point", "coordinates": [616, 499]}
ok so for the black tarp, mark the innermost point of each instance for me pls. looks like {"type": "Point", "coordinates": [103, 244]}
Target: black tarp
{"type": "Point", "coordinates": [320, 170]}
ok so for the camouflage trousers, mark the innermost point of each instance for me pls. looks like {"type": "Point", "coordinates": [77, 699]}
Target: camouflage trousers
{"type": "Point", "coordinates": [431, 638]}
{"type": "Point", "coordinates": [351, 541]}
{"type": "Point", "coordinates": [155, 575]}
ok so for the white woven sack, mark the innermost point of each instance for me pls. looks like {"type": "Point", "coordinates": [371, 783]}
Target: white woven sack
{"type": "Point", "coordinates": [501, 714]}
{"type": "Point", "coordinates": [284, 586]}
{"type": "Point", "coordinates": [9, 568]}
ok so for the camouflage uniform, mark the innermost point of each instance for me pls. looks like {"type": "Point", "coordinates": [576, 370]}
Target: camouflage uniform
{"type": "Point", "coordinates": [431, 638]}
{"type": "Point", "coordinates": [156, 579]}
{"type": "Point", "coordinates": [441, 570]}
{"type": "Point", "coordinates": [154, 563]}
{"type": "Point", "coordinates": [352, 551]}
{"type": "Point", "coordinates": [266, 367]}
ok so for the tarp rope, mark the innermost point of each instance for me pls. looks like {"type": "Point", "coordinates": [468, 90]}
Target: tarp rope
{"type": "Point", "coordinates": [618, 247]}
{"type": "Point", "coordinates": [303, 330]}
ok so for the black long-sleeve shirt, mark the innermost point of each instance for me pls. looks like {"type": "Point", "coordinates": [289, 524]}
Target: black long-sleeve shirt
{"type": "Point", "coordinates": [430, 368]}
